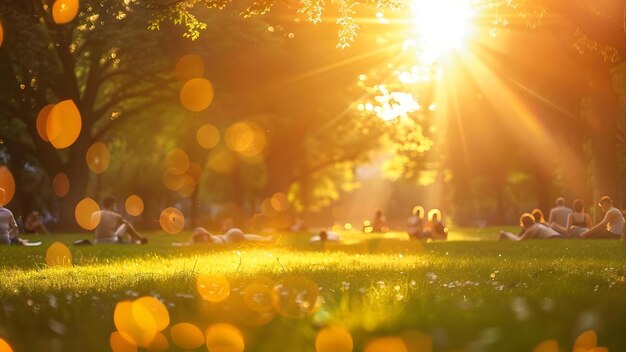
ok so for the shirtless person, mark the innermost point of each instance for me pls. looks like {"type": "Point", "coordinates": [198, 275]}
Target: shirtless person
{"type": "Point", "coordinates": [611, 227]}
{"type": "Point", "coordinates": [113, 226]}
{"type": "Point", "coordinates": [234, 235]}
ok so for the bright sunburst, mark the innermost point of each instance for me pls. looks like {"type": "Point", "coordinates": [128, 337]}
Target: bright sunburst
{"type": "Point", "coordinates": [442, 26]}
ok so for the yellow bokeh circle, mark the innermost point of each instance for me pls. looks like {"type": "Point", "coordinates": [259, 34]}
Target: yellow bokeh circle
{"type": "Point", "coordinates": [224, 338]}
{"type": "Point", "coordinates": [7, 183]}
{"type": "Point", "coordinates": [222, 161]}
{"type": "Point", "coordinates": [134, 205]}
{"type": "Point", "coordinates": [187, 336]}
{"type": "Point", "coordinates": [197, 94]}
{"type": "Point", "coordinates": [547, 346]}
{"type": "Point", "coordinates": [98, 157]}
{"type": "Point", "coordinates": [157, 310]}
{"type": "Point", "coordinates": [1, 34]}
{"type": "Point", "coordinates": [386, 344]}
{"type": "Point", "coordinates": [120, 344]}
{"type": "Point", "coordinates": [42, 121]}
{"type": "Point", "coordinates": [177, 161]}
{"type": "Point", "coordinates": [208, 136]}
{"type": "Point", "coordinates": [258, 297]}
{"type": "Point", "coordinates": [64, 11]}
{"type": "Point", "coordinates": [135, 323]}
{"type": "Point", "coordinates": [189, 67]}
{"type": "Point", "coordinates": [4, 346]}
{"type": "Point", "coordinates": [213, 288]}
{"type": "Point", "coordinates": [295, 297]}
{"type": "Point", "coordinates": [172, 220]}
{"type": "Point", "coordinates": [334, 339]}
{"type": "Point", "coordinates": [61, 184]}
{"type": "Point", "coordinates": [58, 255]}
{"type": "Point", "coordinates": [159, 344]}
{"type": "Point", "coordinates": [63, 124]}
{"type": "Point", "coordinates": [87, 214]}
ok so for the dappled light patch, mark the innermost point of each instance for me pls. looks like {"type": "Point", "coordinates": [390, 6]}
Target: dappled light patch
{"type": "Point", "coordinates": [386, 344]}
{"type": "Point", "coordinates": [222, 161]}
{"type": "Point", "coordinates": [177, 162]}
{"type": "Point", "coordinates": [119, 344]}
{"type": "Point", "coordinates": [61, 184]}
{"type": "Point", "coordinates": [547, 346]}
{"type": "Point", "coordinates": [63, 124]}
{"type": "Point", "coordinates": [87, 214]}
{"type": "Point", "coordinates": [134, 205]}
{"type": "Point", "coordinates": [42, 122]}
{"type": "Point", "coordinates": [197, 94]}
{"type": "Point", "coordinates": [64, 11]}
{"type": "Point", "coordinates": [58, 255]}
{"type": "Point", "coordinates": [208, 136]}
{"type": "Point", "coordinates": [188, 67]}
{"type": "Point", "coordinates": [212, 287]}
{"type": "Point", "coordinates": [172, 220]}
{"type": "Point", "coordinates": [4, 346]}
{"type": "Point", "coordinates": [224, 338]}
{"type": "Point", "coordinates": [245, 138]}
{"type": "Point", "coordinates": [98, 157]}
{"type": "Point", "coordinates": [334, 339]}
{"type": "Point", "coordinates": [187, 336]}
{"type": "Point", "coordinates": [7, 184]}
{"type": "Point", "coordinates": [295, 297]}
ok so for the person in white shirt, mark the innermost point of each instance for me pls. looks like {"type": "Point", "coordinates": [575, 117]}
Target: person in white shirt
{"type": "Point", "coordinates": [559, 214]}
{"type": "Point", "coordinates": [8, 225]}
{"type": "Point", "coordinates": [611, 227]}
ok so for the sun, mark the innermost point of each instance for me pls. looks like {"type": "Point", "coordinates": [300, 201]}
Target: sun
{"type": "Point", "coordinates": [442, 26]}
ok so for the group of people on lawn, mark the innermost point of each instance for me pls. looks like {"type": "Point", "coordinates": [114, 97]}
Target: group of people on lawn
{"type": "Point", "coordinates": [565, 222]}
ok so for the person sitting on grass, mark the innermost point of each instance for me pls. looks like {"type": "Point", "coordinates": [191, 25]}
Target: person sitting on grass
{"type": "Point", "coordinates": [324, 236]}
{"type": "Point", "coordinates": [611, 227]}
{"type": "Point", "coordinates": [232, 236]}
{"type": "Point", "coordinates": [8, 225]}
{"type": "Point", "coordinates": [530, 230]}
{"type": "Point", "coordinates": [538, 216]}
{"type": "Point", "coordinates": [578, 221]}
{"type": "Point", "coordinates": [559, 214]}
{"type": "Point", "coordinates": [379, 224]}
{"type": "Point", "coordinates": [415, 223]}
{"type": "Point", "coordinates": [435, 228]}
{"type": "Point", "coordinates": [33, 224]}
{"type": "Point", "coordinates": [112, 226]}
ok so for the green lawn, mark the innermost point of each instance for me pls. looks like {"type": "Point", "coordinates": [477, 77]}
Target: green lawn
{"type": "Point", "coordinates": [465, 295]}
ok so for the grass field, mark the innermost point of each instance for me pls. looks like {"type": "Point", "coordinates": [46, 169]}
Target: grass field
{"type": "Point", "coordinates": [462, 295]}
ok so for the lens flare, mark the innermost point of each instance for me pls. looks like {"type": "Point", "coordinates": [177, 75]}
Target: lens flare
{"type": "Point", "coordinates": [87, 214]}
{"type": "Point", "coordinates": [187, 336]}
{"type": "Point", "coordinates": [7, 183]}
{"type": "Point", "coordinates": [63, 124]}
{"type": "Point", "coordinates": [61, 185]}
{"type": "Point", "coordinates": [42, 121]}
{"type": "Point", "coordinates": [134, 205]}
{"type": "Point", "coordinates": [58, 255]}
{"type": "Point", "coordinates": [98, 157]}
{"type": "Point", "coordinates": [197, 94]}
{"type": "Point", "coordinates": [213, 288]}
{"type": "Point", "coordinates": [64, 11]}
{"type": "Point", "coordinates": [189, 67]}
{"type": "Point", "coordinates": [208, 136]}
{"type": "Point", "coordinates": [334, 339]}
{"type": "Point", "coordinates": [172, 220]}
{"type": "Point", "coordinates": [224, 338]}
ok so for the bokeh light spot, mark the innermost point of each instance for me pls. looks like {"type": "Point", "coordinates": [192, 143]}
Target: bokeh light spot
{"type": "Point", "coordinates": [208, 136]}
{"type": "Point", "coordinates": [64, 11]}
{"type": "Point", "coordinates": [87, 214]}
{"type": "Point", "coordinates": [58, 255]}
{"type": "Point", "coordinates": [63, 124]}
{"type": "Point", "coordinates": [120, 344]}
{"type": "Point", "coordinates": [295, 297]}
{"type": "Point", "coordinates": [159, 344]}
{"type": "Point", "coordinates": [4, 346]}
{"type": "Point", "coordinates": [134, 205]}
{"type": "Point", "coordinates": [189, 67]}
{"type": "Point", "coordinates": [98, 157]}
{"type": "Point", "coordinates": [173, 182]}
{"type": "Point", "coordinates": [1, 34]}
{"type": "Point", "coordinates": [587, 340]}
{"type": "Point", "coordinates": [157, 310]}
{"type": "Point", "coordinates": [386, 344]}
{"type": "Point", "coordinates": [7, 183]}
{"type": "Point", "coordinates": [177, 162]}
{"type": "Point", "coordinates": [213, 288]}
{"type": "Point", "coordinates": [334, 339]}
{"type": "Point", "coordinates": [194, 172]}
{"type": "Point", "coordinates": [135, 323]}
{"type": "Point", "coordinates": [197, 94]}
{"type": "Point", "coordinates": [42, 121]}
{"type": "Point", "coordinates": [279, 202]}
{"type": "Point", "coordinates": [258, 297]}
{"type": "Point", "coordinates": [187, 336]}
{"type": "Point", "coordinates": [224, 338]}
{"type": "Point", "coordinates": [222, 161]}
{"type": "Point", "coordinates": [547, 346]}
{"type": "Point", "coordinates": [172, 220]}
{"type": "Point", "coordinates": [61, 184]}
{"type": "Point", "coordinates": [245, 138]}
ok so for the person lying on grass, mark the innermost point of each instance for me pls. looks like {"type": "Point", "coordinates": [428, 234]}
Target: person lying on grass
{"type": "Point", "coordinates": [611, 227]}
{"type": "Point", "coordinates": [233, 235]}
{"type": "Point", "coordinates": [530, 230]}
{"type": "Point", "coordinates": [324, 236]}
{"type": "Point", "coordinates": [112, 226]}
